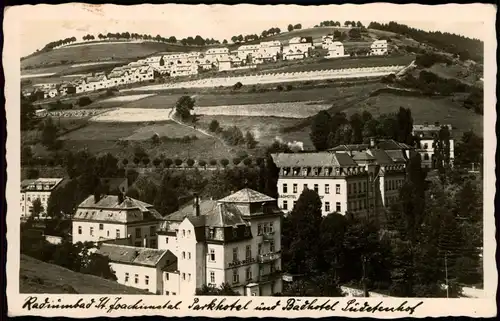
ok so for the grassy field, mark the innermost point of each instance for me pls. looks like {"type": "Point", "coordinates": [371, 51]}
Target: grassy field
{"type": "Point", "coordinates": [94, 53]}
{"type": "Point", "coordinates": [40, 277]}
{"type": "Point", "coordinates": [423, 110]}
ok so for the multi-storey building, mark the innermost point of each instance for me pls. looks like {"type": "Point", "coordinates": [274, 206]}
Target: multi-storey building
{"type": "Point", "coordinates": [326, 41]}
{"type": "Point", "coordinates": [297, 48]}
{"type": "Point", "coordinates": [426, 135]}
{"type": "Point", "coordinates": [32, 189]}
{"type": "Point", "coordinates": [247, 51]}
{"type": "Point", "coordinates": [358, 179]}
{"type": "Point", "coordinates": [215, 54]}
{"type": "Point", "coordinates": [335, 50]}
{"type": "Point", "coordinates": [235, 240]}
{"type": "Point", "coordinates": [138, 267]}
{"type": "Point", "coordinates": [112, 217]}
{"type": "Point", "coordinates": [379, 48]}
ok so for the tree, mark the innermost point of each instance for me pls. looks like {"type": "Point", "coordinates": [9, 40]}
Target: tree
{"type": "Point", "coordinates": [27, 113]}
{"type": "Point", "coordinates": [212, 162]}
{"type": "Point", "coordinates": [290, 27]}
{"type": "Point", "coordinates": [190, 162]}
{"type": "Point", "coordinates": [214, 126]}
{"type": "Point", "coordinates": [202, 163]}
{"type": "Point", "coordinates": [224, 289]}
{"type": "Point", "coordinates": [469, 150]}
{"type": "Point", "coordinates": [167, 162]}
{"type": "Point", "coordinates": [37, 208]}
{"type": "Point", "coordinates": [300, 251]}
{"type": "Point", "coordinates": [297, 26]}
{"type": "Point", "coordinates": [184, 106]}
{"type": "Point", "coordinates": [125, 162]}
{"type": "Point", "coordinates": [233, 136]}
{"type": "Point", "coordinates": [99, 265]}
{"type": "Point", "coordinates": [166, 200]}
{"type": "Point", "coordinates": [250, 140]}
{"type": "Point", "coordinates": [442, 150]}
{"type": "Point", "coordinates": [156, 162]}
{"type": "Point", "coordinates": [320, 129]}
{"type": "Point", "coordinates": [405, 126]}
{"type": "Point", "coordinates": [146, 161]}
{"type": "Point", "coordinates": [84, 101]}
{"type": "Point", "coordinates": [237, 85]}
{"type": "Point", "coordinates": [178, 162]}
{"type": "Point", "coordinates": [224, 162]}
{"type": "Point", "coordinates": [49, 133]}
{"type": "Point", "coordinates": [224, 42]}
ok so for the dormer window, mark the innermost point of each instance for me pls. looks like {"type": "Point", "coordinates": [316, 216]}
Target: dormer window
{"type": "Point", "coordinates": [304, 171]}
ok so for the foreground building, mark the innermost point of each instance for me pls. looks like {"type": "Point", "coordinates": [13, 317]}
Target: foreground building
{"type": "Point", "coordinates": [235, 240]}
{"type": "Point", "coordinates": [427, 134]}
{"type": "Point", "coordinates": [33, 189]}
{"type": "Point", "coordinates": [111, 217]}
{"type": "Point", "coordinates": [358, 179]}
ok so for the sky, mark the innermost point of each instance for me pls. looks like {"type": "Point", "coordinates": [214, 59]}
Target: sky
{"type": "Point", "coordinates": [222, 22]}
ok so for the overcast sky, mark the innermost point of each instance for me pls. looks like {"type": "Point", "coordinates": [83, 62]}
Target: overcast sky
{"type": "Point", "coordinates": [222, 22]}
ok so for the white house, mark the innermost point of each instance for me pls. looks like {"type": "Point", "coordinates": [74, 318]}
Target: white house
{"type": "Point", "coordinates": [272, 48]}
{"type": "Point", "coordinates": [379, 48]}
{"type": "Point", "coordinates": [427, 134]}
{"type": "Point", "coordinates": [326, 41]}
{"type": "Point", "coordinates": [291, 54]}
{"type": "Point", "coordinates": [335, 50]}
{"type": "Point", "coordinates": [215, 54]}
{"type": "Point", "coordinates": [32, 189]}
{"type": "Point", "coordinates": [245, 51]}
{"type": "Point", "coordinates": [111, 217]}
{"type": "Point", "coordinates": [235, 240]}
{"type": "Point", "coordinates": [356, 179]}
{"type": "Point", "coordinates": [138, 267]}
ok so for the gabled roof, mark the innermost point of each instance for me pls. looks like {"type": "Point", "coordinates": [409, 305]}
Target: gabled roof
{"type": "Point", "coordinates": [134, 255]}
{"type": "Point", "coordinates": [360, 156]}
{"type": "Point", "coordinates": [247, 195]}
{"type": "Point", "coordinates": [317, 159]}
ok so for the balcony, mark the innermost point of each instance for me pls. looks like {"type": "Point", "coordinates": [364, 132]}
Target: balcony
{"type": "Point", "coordinates": [268, 236]}
{"type": "Point", "coordinates": [269, 257]}
{"type": "Point", "coordinates": [270, 276]}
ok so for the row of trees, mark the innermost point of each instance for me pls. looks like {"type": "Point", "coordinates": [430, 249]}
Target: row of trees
{"type": "Point", "coordinates": [53, 44]}
{"type": "Point", "coordinates": [328, 131]}
{"type": "Point", "coordinates": [465, 48]}
{"type": "Point", "coordinates": [291, 27]}
{"type": "Point", "coordinates": [331, 23]}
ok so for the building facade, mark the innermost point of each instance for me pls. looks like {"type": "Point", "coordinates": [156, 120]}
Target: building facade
{"type": "Point", "coordinates": [32, 189]}
{"type": "Point", "coordinates": [335, 50]}
{"type": "Point", "coordinates": [379, 48]}
{"type": "Point", "coordinates": [357, 179]}
{"type": "Point", "coordinates": [426, 135]}
{"type": "Point", "coordinates": [235, 240]}
{"type": "Point", "coordinates": [111, 217]}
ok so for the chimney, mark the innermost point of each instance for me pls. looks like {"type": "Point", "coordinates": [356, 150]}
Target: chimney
{"type": "Point", "coordinates": [372, 142]}
{"type": "Point", "coordinates": [121, 196]}
{"type": "Point", "coordinates": [97, 197]}
{"type": "Point", "coordinates": [196, 205]}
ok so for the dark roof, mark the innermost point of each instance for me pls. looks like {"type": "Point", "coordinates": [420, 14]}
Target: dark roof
{"type": "Point", "coordinates": [381, 156]}
{"type": "Point", "coordinates": [396, 155]}
{"type": "Point", "coordinates": [188, 210]}
{"type": "Point", "coordinates": [363, 156]}
{"type": "Point", "coordinates": [351, 147]}
{"type": "Point", "coordinates": [318, 159]}
{"type": "Point", "coordinates": [391, 144]}
{"type": "Point", "coordinates": [225, 215]}
{"type": "Point", "coordinates": [133, 255]}
{"type": "Point", "coordinates": [247, 195]}
{"type": "Point", "coordinates": [112, 202]}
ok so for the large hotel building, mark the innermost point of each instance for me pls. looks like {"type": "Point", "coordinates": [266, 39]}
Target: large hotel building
{"type": "Point", "coordinates": [357, 179]}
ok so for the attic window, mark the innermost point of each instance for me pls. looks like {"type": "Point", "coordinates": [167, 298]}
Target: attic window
{"type": "Point", "coordinates": [235, 232]}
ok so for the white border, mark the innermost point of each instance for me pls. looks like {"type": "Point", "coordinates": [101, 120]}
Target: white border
{"type": "Point", "coordinates": [431, 307]}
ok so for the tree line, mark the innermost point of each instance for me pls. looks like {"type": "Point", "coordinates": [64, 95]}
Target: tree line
{"type": "Point", "coordinates": [463, 47]}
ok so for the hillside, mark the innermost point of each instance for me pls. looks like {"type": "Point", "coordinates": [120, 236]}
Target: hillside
{"type": "Point", "coordinates": [98, 51]}
{"type": "Point", "coordinates": [40, 277]}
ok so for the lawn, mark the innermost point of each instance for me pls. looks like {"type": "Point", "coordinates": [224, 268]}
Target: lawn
{"type": "Point", "coordinates": [39, 277]}
{"type": "Point", "coordinates": [94, 53]}
{"type": "Point", "coordinates": [423, 110]}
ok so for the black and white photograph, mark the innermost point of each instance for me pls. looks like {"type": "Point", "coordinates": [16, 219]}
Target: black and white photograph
{"type": "Point", "coordinates": [188, 154]}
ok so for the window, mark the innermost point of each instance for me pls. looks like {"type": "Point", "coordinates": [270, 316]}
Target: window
{"type": "Point", "coordinates": [337, 207]}
{"type": "Point", "coordinates": [183, 255]}
{"type": "Point", "coordinates": [426, 157]}
{"type": "Point", "coordinates": [212, 233]}
{"type": "Point", "coordinates": [117, 234]}
{"type": "Point", "coordinates": [259, 229]}
{"type": "Point", "coordinates": [285, 189]}
{"type": "Point", "coordinates": [212, 255]}
{"type": "Point", "coordinates": [235, 254]}
{"type": "Point", "coordinates": [167, 276]}
{"type": "Point", "coordinates": [235, 232]}
{"type": "Point", "coordinates": [305, 186]}
{"type": "Point", "coordinates": [337, 188]}
{"type": "Point", "coordinates": [183, 233]}
{"type": "Point", "coordinates": [79, 230]}
{"type": "Point", "coordinates": [107, 233]}
{"type": "Point", "coordinates": [316, 188]}
{"type": "Point", "coordinates": [248, 252]}
{"type": "Point", "coordinates": [146, 280]}
{"type": "Point", "coordinates": [349, 188]}
{"type": "Point", "coordinates": [212, 277]}
{"type": "Point", "coordinates": [327, 189]}
{"type": "Point", "coordinates": [364, 186]}
{"type": "Point", "coordinates": [138, 232]}
{"type": "Point", "coordinates": [167, 293]}
{"type": "Point", "coordinates": [359, 187]}
{"type": "Point", "coordinates": [152, 230]}
{"type": "Point", "coordinates": [294, 203]}
{"type": "Point", "coordinates": [91, 231]}
{"type": "Point", "coordinates": [327, 206]}
{"type": "Point", "coordinates": [295, 188]}
{"type": "Point", "coordinates": [184, 276]}
{"type": "Point", "coordinates": [354, 191]}
{"type": "Point", "coordinates": [173, 293]}
{"type": "Point", "coordinates": [259, 248]}
{"type": "Point", "coordinates": [189, 255]}
{"type": "Point", "coordinates": [271, 246]}
{"type": "Point", "coordinates": [249, 274]}
{"type": "Point", "coordinates": [22, 197]}
{"type": "Point", "coordinates": [189, 233]}
{"type": "Point", "coordinates": [126, 277]}
{"type": "Point", "coordinates": [285, 205]}
{"type": "Point", "coordinates": [271, 227]}
{"type": "Point", "coordinates": [166, 240]}
{"type": "Point", "coordinates": [236, 277]}
{"type": "Point", "coordinates": [189, 277]}
{"type": "Point", "coordinates": [136, 278]}
{"type": "Point", "coordinates": [101, 227]}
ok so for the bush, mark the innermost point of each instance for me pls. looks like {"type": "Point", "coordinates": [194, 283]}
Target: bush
{"type": "Point", "coordinates": [84, 101]}
{"type": "Point", "coordinates": [236, 160]}
{"type": "Point", "coordinates": [212, 162]}
{"type": "Point", "coordinates": [224, 162]}
{"type": "Point", "coordinates": [136, 160]}
{"type": "Point", "coordinates": [178, 162]}
{"type": "Point", "coordinates": [214, 126]}
{"type": "Point", "coordinates": [289, 87]}
{"type": "Point", "coordinates": [237, 85]}
{"type": "Point", "coordinates": [167, 162]}
{"type": "Point", "coordinates": [279, 88]}
{"type": "Point", "coordinates": [146, 161]}
{"type": "Point", "coordinates": [259, 161]}
{"type": "Point", "coordinates": [125, 162]}
{"type": "Point", "coordinates": [247, 161]}
{"type": "Point", "coordinates": [156, 162]}
{"type": "Point", "coordinates": [190, 162]}
{"type": "Point", "coordinates": [242, 154]}
{"type": "Point", "coordinates": [202, 163]}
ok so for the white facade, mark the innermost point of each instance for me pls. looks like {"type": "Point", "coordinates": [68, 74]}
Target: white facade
{"type": "Point", "coordinates": [326, 41]}
{"type": "Point", "coordinates": [215, 54]}
{"type": "Point", "coordinates": [379, 48]}
{"type": "Point", "coordinates": [214, 247]}
{"type": "Point", "coordinates": [335, 50]}
{"type": "Point", "coordinates": [426, 134]}
{"type": "Point", "coordinates": [41, 189]}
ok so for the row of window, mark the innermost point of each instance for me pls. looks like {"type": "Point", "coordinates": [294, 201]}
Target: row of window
{"type": "Point", "coordinates": [248, 252]}
{"type": "Point", "coordinates": [43, 198]}
{"type": "Point", "coordinates": [138, 231]}
{"type": "Point", "coordinates": [316, 188]}
{"type": "Point", "coordinates": [338, 207]}
{"type": "Point", "coordinates": [265, 228]}
{"type": "Point", "coordinates": [393, 185]}
{"type": "Point", "coordinates": [136, 278]}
